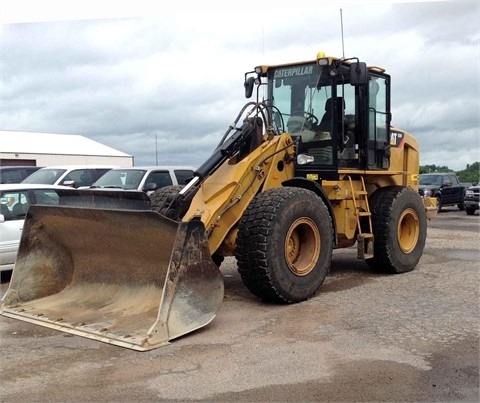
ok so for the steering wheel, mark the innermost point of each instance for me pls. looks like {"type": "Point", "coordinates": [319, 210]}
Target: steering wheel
{"type": "Point", "coordinates": [311, 118]}
{"type": "Point", "coordinates": [277, 121]}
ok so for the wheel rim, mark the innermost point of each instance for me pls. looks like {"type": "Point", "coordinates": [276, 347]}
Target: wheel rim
{"type": "Point", "coordinates": [302, 246]}
{"type": "Point", "coordinates": [408, 230]}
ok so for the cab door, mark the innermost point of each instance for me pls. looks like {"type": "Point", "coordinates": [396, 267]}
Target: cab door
{"type": "Point", "coordinates": [379, 116]}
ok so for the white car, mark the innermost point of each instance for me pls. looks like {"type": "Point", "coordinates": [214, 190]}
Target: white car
{"type": "Point", "coordinates": [15, 199]}
{"type": "Point", "coordinates": [144, 178]}
{"type": "Point", "coordinates": [68, 175]}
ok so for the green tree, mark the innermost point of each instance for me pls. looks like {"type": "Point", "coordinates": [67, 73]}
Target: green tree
{"type": "Point", "coordinates": [470, 174]}
{"type": "Point", "coordinates": [425, 169]}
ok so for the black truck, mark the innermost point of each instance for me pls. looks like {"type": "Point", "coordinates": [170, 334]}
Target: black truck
{"type": "Point", "coordinates": [446, 187]}
{"type": "Point", "coordinates": [472, 199]}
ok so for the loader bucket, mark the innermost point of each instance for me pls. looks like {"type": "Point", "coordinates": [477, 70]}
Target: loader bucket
{"type": "Point", "coordinates": [131, 278]}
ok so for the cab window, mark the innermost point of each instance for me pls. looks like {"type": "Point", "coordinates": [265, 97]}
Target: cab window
{"type": "Point", "coordinates": [377, 107]}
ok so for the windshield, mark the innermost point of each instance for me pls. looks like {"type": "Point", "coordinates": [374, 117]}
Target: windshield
{"type": "Point", "coordinates": [121, 179]}
{"type": "Point", "coordinates": [295, 95]}
{"type": "Point", "coordinates": [45, 176]}
{"type": "Point", "coordinates": [303, 96]}
{"type": "Point", "coordinates": [430, 180]}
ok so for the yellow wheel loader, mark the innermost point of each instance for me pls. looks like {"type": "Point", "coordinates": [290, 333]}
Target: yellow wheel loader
{"type": "Point", "coordinates": [312, 164]}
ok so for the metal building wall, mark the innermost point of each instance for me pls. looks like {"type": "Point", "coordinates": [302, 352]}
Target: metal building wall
{"type": "Point", "coordinates": [66, 159]}
{"type": "Point", "coordinates": [48, 149]}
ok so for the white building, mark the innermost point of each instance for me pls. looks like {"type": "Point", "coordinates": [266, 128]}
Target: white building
{"type": "Point", "coordinates": [44, 149]}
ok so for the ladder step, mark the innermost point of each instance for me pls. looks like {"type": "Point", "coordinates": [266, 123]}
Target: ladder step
{"type": "Point", "coordinates": [366, 255]}
{"type": "Point", "coordinates": [364, 213]}
{"type": "Point", "coordinates": [364, 241]}
{"type": "Point", "coordinates": [365, 246]}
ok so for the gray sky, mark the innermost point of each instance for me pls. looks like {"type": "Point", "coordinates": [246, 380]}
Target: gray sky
{"type": "Point", "coordinates": [164, 79]}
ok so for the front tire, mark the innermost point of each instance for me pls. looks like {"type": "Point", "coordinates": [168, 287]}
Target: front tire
{"type": "Point", "coordinates": [439, 204]}
{"type": "Point", "coordinates": [159, 201]}
{"type": "Point", "coordinates": [284, 245]}
{"type": "Point", "coordinates": [399, 224]}
{"type": "Point", "coordinates": [470, 210]}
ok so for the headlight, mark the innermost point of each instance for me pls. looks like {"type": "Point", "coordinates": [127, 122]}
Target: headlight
{"type": "Point", "coordinates": [303, 159]}
{"type": "Point", "coordinates": [469, 192]}
{"type": "Point", "coordinates": [427, 193]}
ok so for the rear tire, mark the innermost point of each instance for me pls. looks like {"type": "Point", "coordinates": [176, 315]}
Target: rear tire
{"type": "Point", "coordinates": [399, 226]}
{"type": "Point", "coordinates": [284, 245]}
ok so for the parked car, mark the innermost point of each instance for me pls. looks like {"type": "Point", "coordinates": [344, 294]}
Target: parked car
{"type": "Point", "coordinates": [446, 187]}
{"type": "Point", "coordinates": [16, 174]}
{"type": "Point", "coordinates": [472, 199]}
{"type": "Point", "coordinates": [16, 199]}
{"type": "Point", "coordinates": [144, 178]}
{"type": "Point", "coordinates": [68, 175]}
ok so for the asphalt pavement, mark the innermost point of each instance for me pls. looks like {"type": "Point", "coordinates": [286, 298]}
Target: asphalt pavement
{"type": "Point", "coordinates": [364, 337]}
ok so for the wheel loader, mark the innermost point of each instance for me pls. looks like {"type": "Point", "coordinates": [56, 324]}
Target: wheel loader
{"type": "Point", "coordinates": [309, 165]}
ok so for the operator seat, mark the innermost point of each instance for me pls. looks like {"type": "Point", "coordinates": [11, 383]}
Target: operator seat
{"type": "Point", "coordinates": [328, 119]}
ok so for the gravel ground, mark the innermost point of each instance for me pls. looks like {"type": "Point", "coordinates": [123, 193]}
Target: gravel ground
{"type": "Point", "coordinates": [363, 337]}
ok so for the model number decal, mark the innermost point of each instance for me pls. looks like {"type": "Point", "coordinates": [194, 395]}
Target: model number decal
{"type": "Point", "coordinates": [396, 139]}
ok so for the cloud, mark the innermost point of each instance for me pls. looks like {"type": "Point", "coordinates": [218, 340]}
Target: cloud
{"type": "Point", "coordinates": [166, 81]}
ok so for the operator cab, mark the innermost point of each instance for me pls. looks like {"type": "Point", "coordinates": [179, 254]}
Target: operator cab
{"type": "Point", "coordinates": [337, 109]}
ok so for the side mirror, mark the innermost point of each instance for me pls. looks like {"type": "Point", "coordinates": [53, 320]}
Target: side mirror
{"type": "Point", "coordinates": [150, 186]}
{"type": "Point", "coordinates": [69, 184]}
{"type": "Point", "coordinates": [358, 74]}
{"type": "Point", "coordinates": [249, 82]}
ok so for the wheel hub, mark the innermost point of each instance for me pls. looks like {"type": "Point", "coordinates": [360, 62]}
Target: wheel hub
{"type": "Point", "coordinates": [408, 230]}
{"type": "Point", "coordinates": [302, 246]}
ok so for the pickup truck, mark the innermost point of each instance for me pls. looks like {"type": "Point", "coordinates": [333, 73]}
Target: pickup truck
{"type": "Point", "coordinates": [446, 187]}
{"type": "Point", "coordinates": [144, 178]}
{"type": "Point", "coordinates": [472, 199]}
